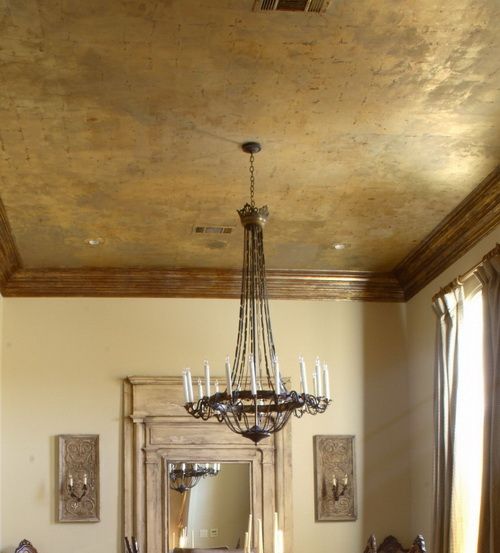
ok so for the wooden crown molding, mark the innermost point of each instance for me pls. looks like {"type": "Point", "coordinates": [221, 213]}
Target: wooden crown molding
{"type": "Point", "coordinates": [471, 220]}
{"type": "Point", "coordinates": [475, 217]}
{"type": "Point", "coordinates": [200, 283]}
{"type": "Point", "coordinates": [10, 261]}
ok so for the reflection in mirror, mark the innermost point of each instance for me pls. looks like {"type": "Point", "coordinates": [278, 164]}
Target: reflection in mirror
{"type": "Point", "coordinates": [184, 476]}
{"type": "Point", "coordinates": [214, 512]}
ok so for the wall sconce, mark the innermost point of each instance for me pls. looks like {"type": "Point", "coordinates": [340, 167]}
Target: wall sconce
{"type": "Point", "coordinates": [79, 490]}
{"type": "Point", "coordinates": [339, 488]}
{"type": "Point", "coordinates": [334, 478]}
{"type": "Point", "coordinates": [78, 478]}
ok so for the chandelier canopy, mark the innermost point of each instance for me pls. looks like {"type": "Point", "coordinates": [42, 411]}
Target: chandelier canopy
{"type": "Point", "coordinates": [184, 476]}
{"type": "Point", "coordinates": [256, 402]}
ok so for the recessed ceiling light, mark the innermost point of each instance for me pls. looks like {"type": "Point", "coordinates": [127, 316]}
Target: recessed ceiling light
{"type": "Point", "coordinates": [94, 241]}
{"type": "Point", "coordinates": [340, 246]}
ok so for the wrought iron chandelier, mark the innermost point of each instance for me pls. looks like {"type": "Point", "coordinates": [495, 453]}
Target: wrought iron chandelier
{"type": "Point", "coordinates": [184, 476]}
{"type": "Point", "coordinates": [256, 402]}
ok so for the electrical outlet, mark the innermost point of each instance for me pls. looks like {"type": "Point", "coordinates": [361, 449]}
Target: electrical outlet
{"type": "Point", "coordinates": [214, 532]}
{"type": "Point", "coordinates": [203, 533]}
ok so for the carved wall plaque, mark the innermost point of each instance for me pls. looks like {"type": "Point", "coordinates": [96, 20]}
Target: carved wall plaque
{"type": "Point", "coordinates": [78, 478]}
{"type": "Point", "coordinates": [334, 464]}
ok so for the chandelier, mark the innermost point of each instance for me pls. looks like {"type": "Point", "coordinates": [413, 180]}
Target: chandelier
{"type": "Point", "coordinates": [184, 476]}
{"type": "Point", "coordinates": [256, 402]}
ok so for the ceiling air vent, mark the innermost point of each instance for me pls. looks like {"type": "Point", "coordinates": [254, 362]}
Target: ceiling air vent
{"type": "Point", "coordinates": [212, 230]}
{"type": "Point", "coordinates": [317, 6]}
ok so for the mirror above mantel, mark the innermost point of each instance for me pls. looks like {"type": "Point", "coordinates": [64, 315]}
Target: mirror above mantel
{"type": "Point", "coordinates": [159, 432]}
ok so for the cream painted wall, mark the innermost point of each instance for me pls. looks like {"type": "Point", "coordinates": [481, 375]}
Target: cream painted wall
{"type": "Point", "coordinates": [421, 338]}
{"type": "Point", "coordinates": [64, 361]}
{"type": "Point", "coordinates": [1, 361]}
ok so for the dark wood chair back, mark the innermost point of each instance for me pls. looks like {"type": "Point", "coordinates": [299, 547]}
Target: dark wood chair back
{"type": "Point", "coordinates": [392, 545]}
{"type": "Point", "coordinates": [25, 547]}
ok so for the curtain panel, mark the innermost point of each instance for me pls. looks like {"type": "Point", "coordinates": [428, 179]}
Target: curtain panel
{"type": "Point", "coordinates": [448, 307]}
{"type": "Point", "coordinates": [489, 530]}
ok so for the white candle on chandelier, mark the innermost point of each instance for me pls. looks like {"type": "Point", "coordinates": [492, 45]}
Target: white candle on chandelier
{"type": "Point", "coordinates": [207, 377]}
{"type": "Point", "coordinates": [315, 383]}
{"type": "Point", "coordinates": [186, 387]}
{"type": "Point", "coordinates": [190, 385]}
{"type": "Point", "coordinates": [303, 375]}
{"type": "Point", "coordinates": [228, 377]}
{"type": "Point", "coordinates": [253, 376]}
{"type": "Point", "coordinates": [319, 380]}
{"type": "Point", "coordinates": [85, 480]}
{"type": "Point", "coordinates": [217, 390]}
{"type": "Point", "coordinates": [326, 381]}
{"type": "Point", "coordinates": [200, 388]}
{"type": "Point", "coordinates": [277, 377]}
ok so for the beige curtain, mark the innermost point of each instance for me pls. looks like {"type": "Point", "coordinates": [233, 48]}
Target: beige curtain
{"type": "Point", "coordinates": [489, 530]}
{"type": "Point", "coordinates": [448, 307]}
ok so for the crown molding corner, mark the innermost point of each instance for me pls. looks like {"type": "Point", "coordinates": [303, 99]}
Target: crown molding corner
{"type": "Point", "coordinates": [475, 217]}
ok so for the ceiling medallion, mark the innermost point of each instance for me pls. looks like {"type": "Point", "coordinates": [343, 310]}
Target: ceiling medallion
{"type": "Point", "coordinates": [256, 402]}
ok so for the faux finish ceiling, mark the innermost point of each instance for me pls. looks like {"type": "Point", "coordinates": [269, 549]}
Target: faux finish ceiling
{"type": "Point", "coordinates": [122, 120]}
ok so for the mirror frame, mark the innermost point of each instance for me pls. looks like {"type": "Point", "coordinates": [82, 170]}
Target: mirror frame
{"type": "Point", "coordinates": [157, 430]}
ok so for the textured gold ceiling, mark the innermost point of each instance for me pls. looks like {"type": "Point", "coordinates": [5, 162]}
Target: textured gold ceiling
{"type": "Point", "coordinates": [122, 120]}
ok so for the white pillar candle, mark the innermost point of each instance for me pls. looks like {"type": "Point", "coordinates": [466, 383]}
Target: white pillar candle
{"type": "Point", "coordinates": [303, 375]}
{"type": "Point", "coordinates": [260, 548]}
{"type": "Point", "coordinates": [253, 377]}
{"type": "Point", "coordinates": [207, 377]}
{"type": "Point", "coordinates": [275, 533]}
{"type": "Point", "coordinates": [250, 532]}
{"type": "Point", "coordinates": [228, 377]}
{"type": "Point", "coordinates": [190, 385]}
{"type": "Point", "coordinates": [277, 377]}
{"type": "Point", "coordinates": [319, 380]}
{"type": "Point", "coordinates": [200, 388]}
{"type": "Point", "coordinates": [281, 543]}
{"type": "Point", "coordinates": [186, 387]}
{"type": "Point", "coordinates": [217, 390]}
{"type": "Point", "coordinates": [326, 381]}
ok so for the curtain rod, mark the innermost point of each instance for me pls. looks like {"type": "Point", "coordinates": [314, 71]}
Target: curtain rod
{"type": "Point", "coordinates": [461, 278]}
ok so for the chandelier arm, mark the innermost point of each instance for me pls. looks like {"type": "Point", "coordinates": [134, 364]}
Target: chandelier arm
{"type": "Point", "coordinates": [263, 303]}
{"type": "Point", "coordinates": [254, 347]}
{"type": "Point", "coordinates": [240, 353]}
{"type": "Point", "coordinates": [266, 322]}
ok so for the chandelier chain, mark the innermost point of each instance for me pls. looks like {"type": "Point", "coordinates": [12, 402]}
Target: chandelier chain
{"type": "Point", "coordinates": [252, 181]}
